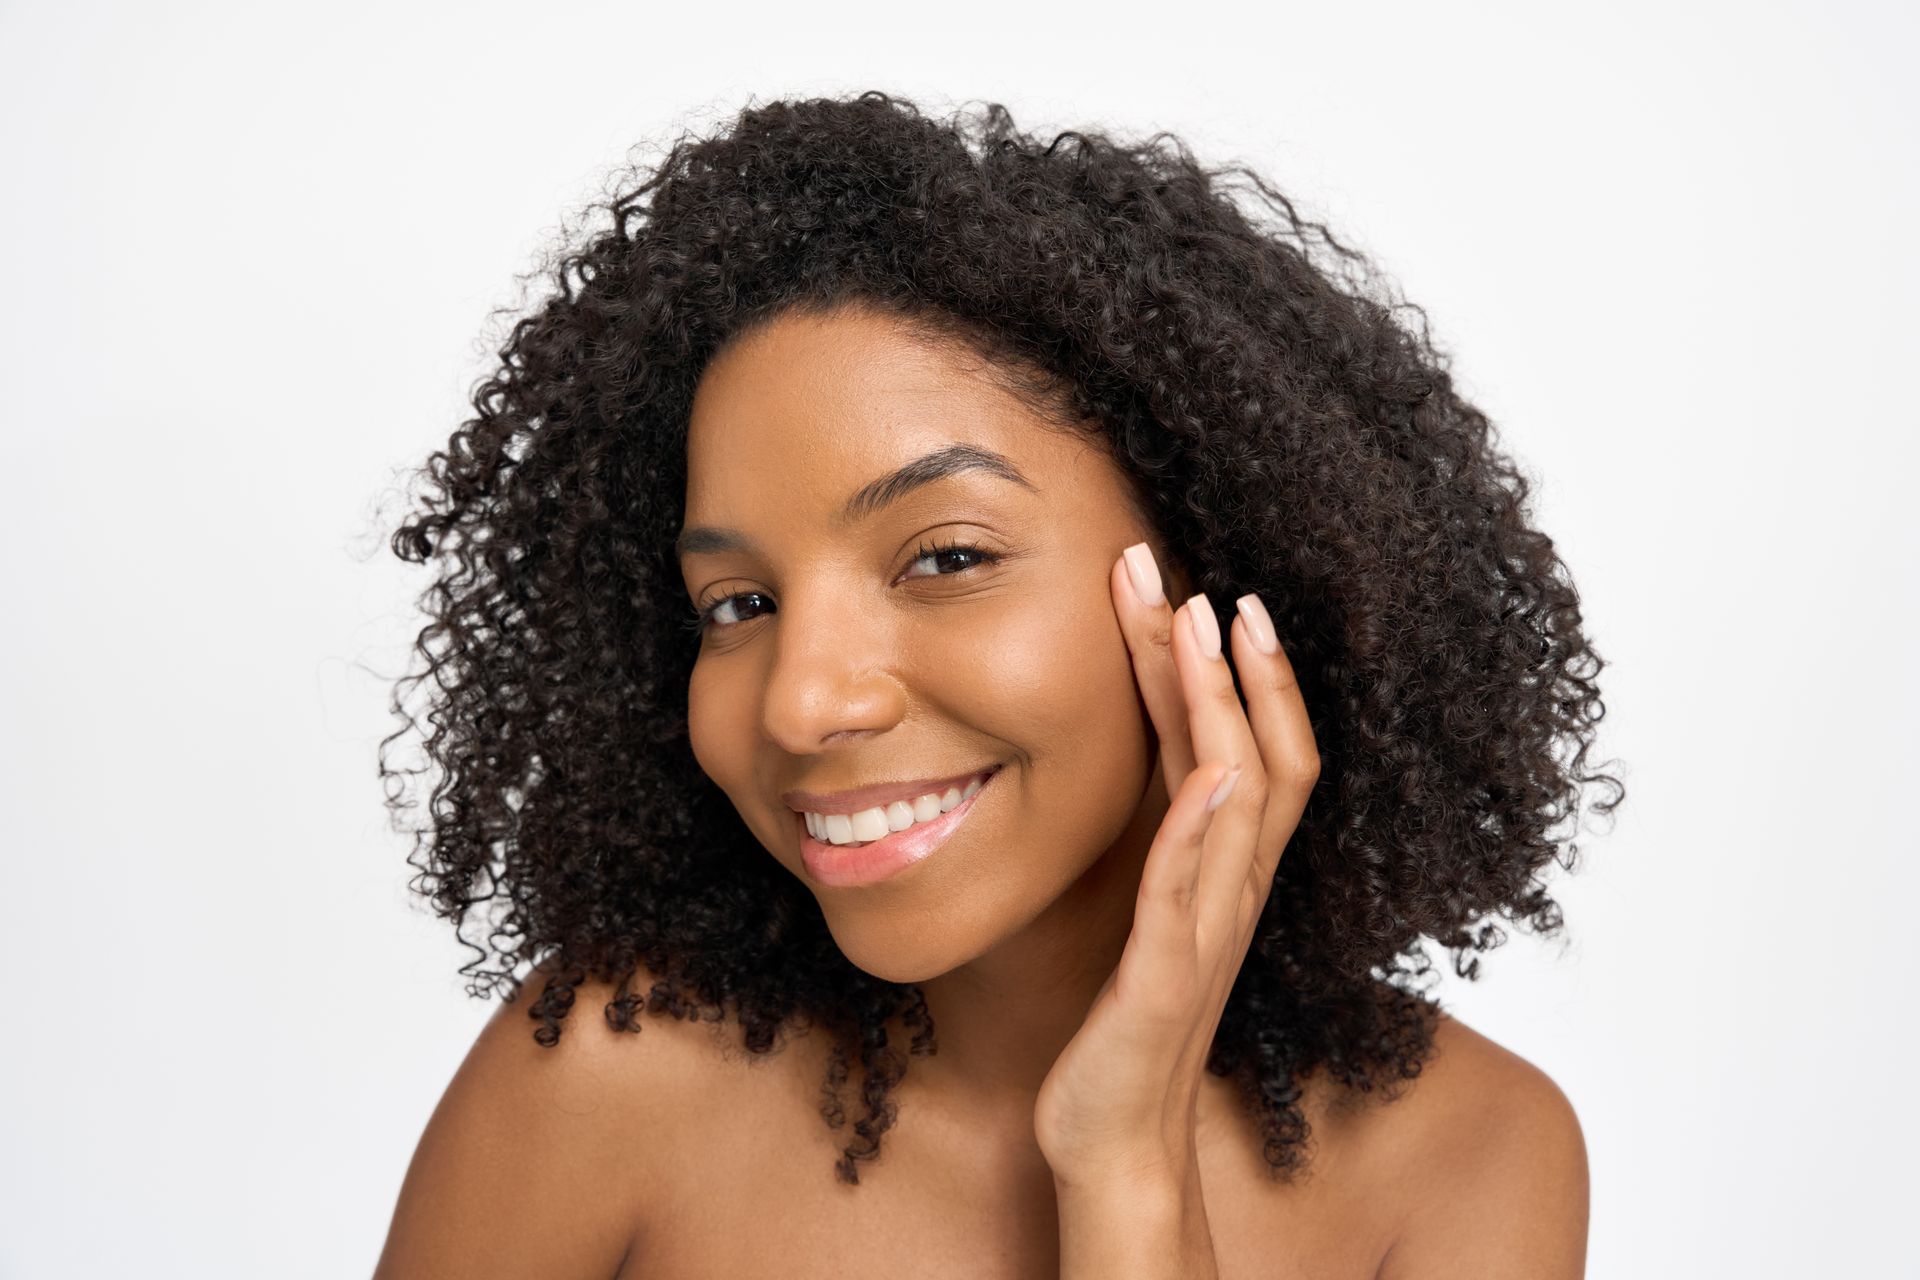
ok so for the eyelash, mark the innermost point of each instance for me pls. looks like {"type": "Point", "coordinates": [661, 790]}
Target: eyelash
{"type": "Point", "coordinates": [703, 614]}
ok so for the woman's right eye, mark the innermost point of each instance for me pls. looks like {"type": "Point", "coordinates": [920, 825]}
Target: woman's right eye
{"type": "Point", "coordinates": [713, 614]}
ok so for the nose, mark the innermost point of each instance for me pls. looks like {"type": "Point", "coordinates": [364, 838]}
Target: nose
{"type": "Point", "coordinates": [831, 681]}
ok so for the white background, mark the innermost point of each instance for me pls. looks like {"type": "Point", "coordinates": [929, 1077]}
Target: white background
{"type": "Point", "coordinates": [249, 255]}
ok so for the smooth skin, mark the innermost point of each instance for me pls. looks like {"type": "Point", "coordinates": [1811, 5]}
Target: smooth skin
{"type": "Point", "coordinates": [1117, 1116]}
{"type": "Point", "coordinates": [1075, 938]}
{"type": "Point", "coordinates": [1122, 1095]}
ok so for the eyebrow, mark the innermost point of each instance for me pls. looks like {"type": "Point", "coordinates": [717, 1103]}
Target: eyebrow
{"type": "Point", "coordinates": [941, 464]}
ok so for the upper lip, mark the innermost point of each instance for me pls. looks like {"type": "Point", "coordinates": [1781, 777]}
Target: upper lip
{"type": "Point", "coordinates": [878, 795]}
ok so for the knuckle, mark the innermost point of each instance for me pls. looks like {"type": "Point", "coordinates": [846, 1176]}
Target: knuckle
{"type": "Point", "coordinates": [1305, 769]}
{"type": "Point", "coordinates": [1282, 680]}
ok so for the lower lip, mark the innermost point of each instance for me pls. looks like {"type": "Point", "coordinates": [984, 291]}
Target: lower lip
{"type": "Point", "coordinates": [838, 866]}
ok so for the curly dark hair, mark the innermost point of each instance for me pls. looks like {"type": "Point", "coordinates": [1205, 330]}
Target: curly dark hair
{"type": "Point", "coordinates": [1292, 435]}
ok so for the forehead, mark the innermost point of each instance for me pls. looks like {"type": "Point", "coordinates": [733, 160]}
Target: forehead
{"type": "Point", "coordinates": [809, 408]}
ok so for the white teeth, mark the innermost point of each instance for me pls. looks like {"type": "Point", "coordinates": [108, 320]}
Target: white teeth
{"type": "Point", "coordinates": [874, 823]}
{"type": "Point", "coordinates": [869, 824]}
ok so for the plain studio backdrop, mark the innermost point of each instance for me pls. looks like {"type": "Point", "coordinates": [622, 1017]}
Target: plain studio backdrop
{"type": "Point", "coordinates": [249, 255]}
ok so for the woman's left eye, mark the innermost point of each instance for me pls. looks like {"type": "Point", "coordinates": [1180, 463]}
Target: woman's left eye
{"type": "Point", "coordinates": [948, 553]}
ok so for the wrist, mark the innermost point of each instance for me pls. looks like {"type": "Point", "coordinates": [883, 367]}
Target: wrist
{"type": "Point", "coordinates": [1154, 1170]}
{"type": "Point", "coordinates": [1147, 1222]}
{"type": "Point", "coordinates": [1148, 1183]}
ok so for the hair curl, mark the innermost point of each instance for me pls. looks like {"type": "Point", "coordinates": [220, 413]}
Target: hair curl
{"type": "Point", "coordinates": [1289, 434]}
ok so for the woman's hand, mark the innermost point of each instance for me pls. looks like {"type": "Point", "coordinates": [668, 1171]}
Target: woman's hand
{"type": "Point", "coordinates": [1119, 1102]}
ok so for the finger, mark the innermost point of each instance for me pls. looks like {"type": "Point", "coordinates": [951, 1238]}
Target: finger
{"type": "Point", "coordinates": [1160, 956]}
{"type": "Point", "coordinates": [1146, 620]}
{"type": "Point", "coordinates": [1221, 733]}
{"type": "Point", "coordinates": [1289, 755]}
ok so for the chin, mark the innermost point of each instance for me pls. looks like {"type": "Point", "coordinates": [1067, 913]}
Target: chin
{"type": "Point", "coordinates": [880, 952]}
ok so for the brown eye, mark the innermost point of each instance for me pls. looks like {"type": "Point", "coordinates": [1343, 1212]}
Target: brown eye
{"type": "Point", "coordinates": [953, 556]}
{"type": "Point", "coordinates": [713, 614]}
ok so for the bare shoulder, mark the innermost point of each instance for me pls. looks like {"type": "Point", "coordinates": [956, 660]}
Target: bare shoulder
{"type": "Point", "coordinates": [539, 1159]}
{"type": "Point", "coordinates": [1493, 1166]}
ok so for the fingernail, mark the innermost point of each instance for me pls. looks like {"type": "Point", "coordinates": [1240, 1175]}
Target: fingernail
{"type": "Point", "coordinates": [1221, 791]}
{"type": "Point", "coordinates": [1145, 574]}
{"type": "Point", "coordinates": [1259, 623]}
{"type": "Point", "coordinates": [1206, 627]}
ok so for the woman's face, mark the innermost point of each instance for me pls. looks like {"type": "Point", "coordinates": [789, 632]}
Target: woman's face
{"type": "Point", "coordinates": [928, 630]}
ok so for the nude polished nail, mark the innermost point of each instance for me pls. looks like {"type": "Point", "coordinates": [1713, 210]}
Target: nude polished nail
{"type": "Point", "coordinates": [1206, 627]}
{"type": "Point", "coordinates": [1259, 623]}
{"type": "Point", "coordinates": [1144, 573]}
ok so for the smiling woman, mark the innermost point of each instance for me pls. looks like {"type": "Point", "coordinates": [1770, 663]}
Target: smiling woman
{"type": "Point", "coordinates": [916, 593]}
{"type": "Point", "coordinates": [827, 640]}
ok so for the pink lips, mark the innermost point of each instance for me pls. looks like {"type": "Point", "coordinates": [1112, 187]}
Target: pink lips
{"type": "Point", "coordinates": [838, 866]}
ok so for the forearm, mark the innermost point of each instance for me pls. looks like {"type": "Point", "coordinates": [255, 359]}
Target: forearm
{"type": "Point", "coordinates": [1138, 1229]}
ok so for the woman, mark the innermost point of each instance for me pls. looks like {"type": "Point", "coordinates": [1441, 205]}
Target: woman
{"type": "Point", "coordinates": [828, 653]}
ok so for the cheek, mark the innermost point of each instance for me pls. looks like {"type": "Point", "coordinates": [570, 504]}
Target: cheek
{"type": "Point", "coordinates": [721, 742]}
{"type": "Point", "coordinates": [1049, 674]}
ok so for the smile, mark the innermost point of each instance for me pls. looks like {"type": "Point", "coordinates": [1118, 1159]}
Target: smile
{"type": "Point", "coordinates": [864, 825]}
{"type": "Point", "coordinates": [871, 844]}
